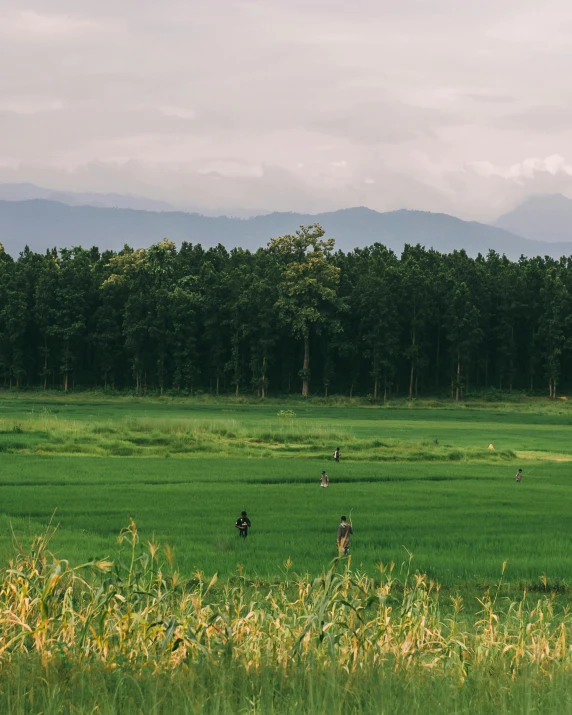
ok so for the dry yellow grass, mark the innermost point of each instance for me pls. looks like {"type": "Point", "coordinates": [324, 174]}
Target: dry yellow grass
{"type": "Point", "coordinates": [540, 456]}
{"type": "Point", "coordinates": [143, 614]}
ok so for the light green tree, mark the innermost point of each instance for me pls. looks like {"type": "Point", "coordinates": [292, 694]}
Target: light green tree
{"type": "Point", "coordinates": [308, 287]}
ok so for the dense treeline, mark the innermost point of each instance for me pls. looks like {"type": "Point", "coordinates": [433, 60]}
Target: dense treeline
{"type": "Point", "coordinates": [294, 315]}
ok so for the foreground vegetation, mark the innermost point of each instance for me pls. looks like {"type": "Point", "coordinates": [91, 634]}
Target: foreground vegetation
{"type": "Point", "coordinates": [133, 636]}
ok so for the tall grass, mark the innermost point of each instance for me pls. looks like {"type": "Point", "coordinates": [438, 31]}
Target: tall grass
{"type": "Point", "coordinates": [29, 686]}
{"type": "Point", "coordinates": [131, 636]}
{"type": "Point", "coordinates": [138, 610]}
{"type": "Point", "coordinates": [50, 434]}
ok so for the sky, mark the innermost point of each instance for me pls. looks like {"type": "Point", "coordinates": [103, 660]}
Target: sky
{"type": "Point", "coordinates": [290, 105]}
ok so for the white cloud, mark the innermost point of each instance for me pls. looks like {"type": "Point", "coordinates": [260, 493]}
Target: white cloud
{"type": "Point", "coordinates": [526, 169]}
{"type": "Point", "coordinates": [32, 26]}
{"type": "Point", "coordinates": [180, 112]}
{"type": "Point", "coordinates": [230, 168]}
{"type": "Point", "coordinates": [29, 105]}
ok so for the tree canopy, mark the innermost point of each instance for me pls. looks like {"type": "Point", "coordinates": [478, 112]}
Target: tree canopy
{"type": "Point", "coordinates": [189, 320]}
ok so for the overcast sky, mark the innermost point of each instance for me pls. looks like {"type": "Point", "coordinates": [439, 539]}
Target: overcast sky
{"type": "Point", "coordinates": [303, 105]}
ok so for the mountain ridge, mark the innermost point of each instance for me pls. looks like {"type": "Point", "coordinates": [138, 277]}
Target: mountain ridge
{"type": "Point", "coordinates": [43, 224]}
{"type": "Point", "coordinates": [543, 217]}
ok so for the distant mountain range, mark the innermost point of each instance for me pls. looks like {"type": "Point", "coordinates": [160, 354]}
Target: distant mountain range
{"type": "Point", "coordinates": [541, 218]}
{"type": "Point", "coordinates": [26, 192]}
{"type": "Point", "coordinates": [43, 223]}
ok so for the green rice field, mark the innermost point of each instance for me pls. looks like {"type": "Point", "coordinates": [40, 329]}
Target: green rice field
{"type": "Point", "coordinates": [454, 599]}
{"type": "Point", "coordinates": [417, 479]}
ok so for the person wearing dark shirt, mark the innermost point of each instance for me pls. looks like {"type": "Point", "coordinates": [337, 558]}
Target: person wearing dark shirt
{"type": "Point", "coordinates": [243, 525]}
{"type": "Point", "coordinates": [337, 455]}
{"type": "Point", "coordinates": [343, 541]}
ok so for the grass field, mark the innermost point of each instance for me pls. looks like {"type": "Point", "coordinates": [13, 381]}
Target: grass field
{"type": "Point", "coordinates": [461, 521]}
{"type": "Point", "coordinates": [417, 478]}
{"type": "Point", "coordinates": [422, 479]}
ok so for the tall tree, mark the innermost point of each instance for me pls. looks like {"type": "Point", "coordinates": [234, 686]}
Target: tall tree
{"type": "Point", "coordinates": [308, 288]}
{"type": "Point", "coordinates": [554, 326]}
{"type": "Point", "coordinates": [377, 298]}
{"type": "Point", "coordinates": [463, 328]}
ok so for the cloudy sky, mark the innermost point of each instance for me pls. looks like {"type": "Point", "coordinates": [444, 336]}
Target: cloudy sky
{"type": "Point", "coordinates": [304, 105]}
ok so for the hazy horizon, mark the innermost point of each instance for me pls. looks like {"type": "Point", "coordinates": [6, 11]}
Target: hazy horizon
{"type": "Point", "coordinates": [247, 108]}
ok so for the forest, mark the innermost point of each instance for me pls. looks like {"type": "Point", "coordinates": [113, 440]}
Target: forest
{"type": "Point", "coordinates": [294, 317]}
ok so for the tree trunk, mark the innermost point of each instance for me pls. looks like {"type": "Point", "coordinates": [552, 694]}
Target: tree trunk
{"type": "Point", "coordinates": [412, 371]}
{"type": "Point", "coordinates": [437, 355]}
{"type": "Point", "coordinates": [457, 395]}
{"type": "Point", "coordinates": [375, 389]}
{"type": "Point", "coordinates": [306, 367]}
{"type": "Point", "coordinates": [411, 379]}
{"type": "Point", "coordinates": [236, 392]}
{"type": "Point", "coordinates": [45, 363]}
{"type": "Point", "coordinates": [161, 369]}
{"type": "Point", "coordinates": [65, 382]}
{"type": "Point", "coordinates": [264, 368]}
{"type": "Point", "coordinates": [217, 384]}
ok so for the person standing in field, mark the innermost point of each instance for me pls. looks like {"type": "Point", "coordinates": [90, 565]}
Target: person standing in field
{"type": "Point", "coordinates": [243, 525]}
{"type": "Point", "coordinates": [343, 541]}
{"type": "Point", "coordinates": [518, 476]}
{"type": "Point", "coordinates": [324, 481]}
{"type": "Point", "coordinates": [337, 455]}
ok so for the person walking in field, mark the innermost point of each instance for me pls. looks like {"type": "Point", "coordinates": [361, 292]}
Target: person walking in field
{"type": "Point", "coordinates": [324, 481]}
{"type": "Point", "coordinates": [518, 476]}
{"type": "Point", "coordinates": [337, 455]}
{"type": "Point", "coordinates": [243, 525]}
{"type": "Point", "coordinates": [343, 541]}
